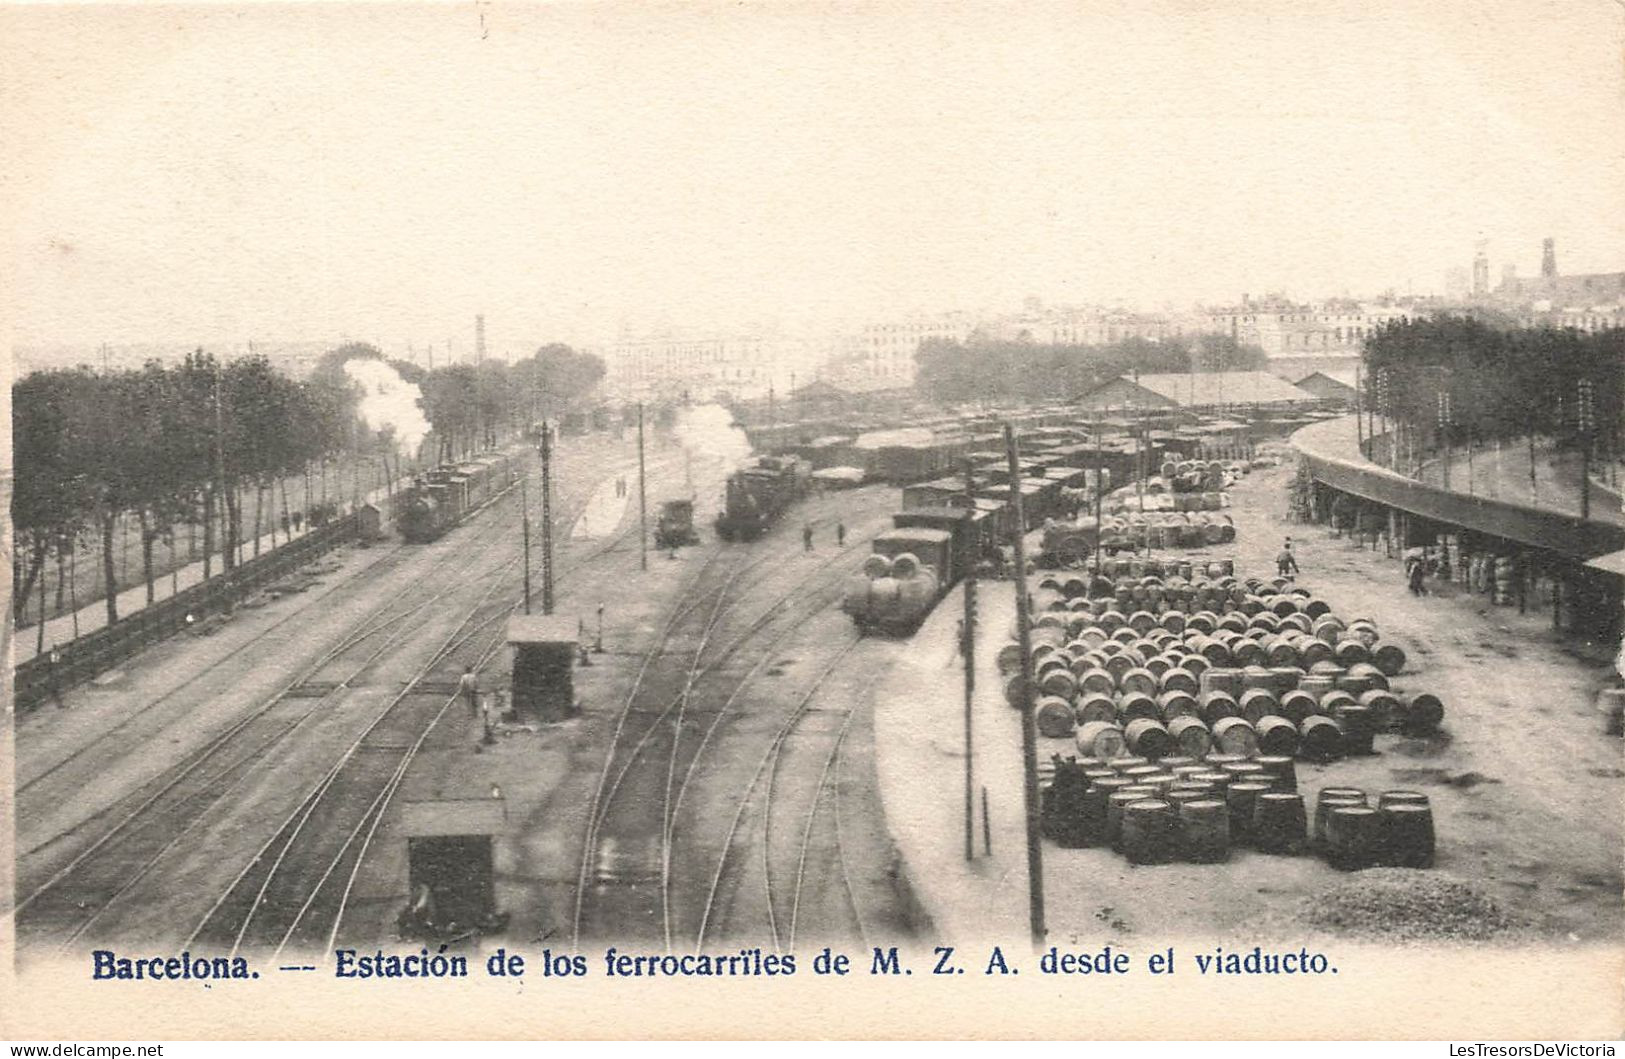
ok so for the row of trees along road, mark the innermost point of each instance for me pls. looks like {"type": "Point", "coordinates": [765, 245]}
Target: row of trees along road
{"type": "Point", "coordinates": [1461, 380]}
{"type": "Point", "coordinates": [172, 445]}
{"type": "Point", "coordinates": [982, 368]}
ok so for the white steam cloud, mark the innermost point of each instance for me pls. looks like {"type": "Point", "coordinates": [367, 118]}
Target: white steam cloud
{"type": "Point", "coordinates": [387, 400]}
{"type": "Point", "coordinates": [708, 433]}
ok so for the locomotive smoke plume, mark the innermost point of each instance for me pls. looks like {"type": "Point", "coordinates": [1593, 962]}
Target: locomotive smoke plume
{"type": "Point", "coordinates": [389, 401]}
{"type": "Point", "coordinates": [707, 431]}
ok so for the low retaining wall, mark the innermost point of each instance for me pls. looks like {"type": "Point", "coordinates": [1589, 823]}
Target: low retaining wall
{"type": "Point", "coordinates": [75, 662]}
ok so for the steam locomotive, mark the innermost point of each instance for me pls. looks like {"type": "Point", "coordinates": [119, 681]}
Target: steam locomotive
{"type": "Point", "coordinates": [445, 496]}
{"type": "Point", "coordinates": [757, 495]}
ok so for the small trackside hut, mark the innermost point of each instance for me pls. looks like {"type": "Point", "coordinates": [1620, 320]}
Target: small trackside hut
{"type": "Point", "coordinates": [544, 655]}
{"type": "Point", "coordinates": [450, 866]}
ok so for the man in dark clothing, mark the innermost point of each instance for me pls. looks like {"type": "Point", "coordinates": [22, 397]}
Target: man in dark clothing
{"type": "Point", "coordinates": [806, 537]}
{"type": "Point", "coordinates": [1415, 570]}
{"type": "Point", "coordinates": [840, 534]}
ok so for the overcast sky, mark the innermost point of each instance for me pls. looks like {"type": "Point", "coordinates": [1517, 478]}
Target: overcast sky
{"type": "Point", "coordinates": [222, 173]}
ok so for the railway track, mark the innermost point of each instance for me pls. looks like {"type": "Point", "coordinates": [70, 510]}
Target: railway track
{"type": "Point", "coordinates": [626, 871]}
{"type": "Point", "coordinates": [173, 805]}
{"type": "Point", "coordinates": [169, 808]}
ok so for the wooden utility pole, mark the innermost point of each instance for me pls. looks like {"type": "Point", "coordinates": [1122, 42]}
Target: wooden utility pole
{"type": "Point", "coordinates": [1100, 487]}
{"type": "Point", "coordinates": [547, 518]}
{"type": "Point", "coordinates": [524, 530]}
{"type": "Point", "coordinates": [643, 509]}
{"type": "Point", "coordinates": [1029, 735]}
{"type": "Point", "coordinates": [967, 649]}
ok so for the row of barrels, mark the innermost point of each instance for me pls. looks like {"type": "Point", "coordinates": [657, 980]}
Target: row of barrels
{"type": "Point", "coordinates": [1198, 810]}
{"type": "Point", "coordinates": [1150, 637]}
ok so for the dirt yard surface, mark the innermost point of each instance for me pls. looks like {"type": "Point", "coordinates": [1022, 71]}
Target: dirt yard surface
{"type": "Point", "coordinates": [1524, 786]}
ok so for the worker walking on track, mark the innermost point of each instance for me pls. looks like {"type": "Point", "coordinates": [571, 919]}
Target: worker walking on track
{"type": "Point", "coordinates": [469, 686]}
{"type": "Point", "coordinates": [1286, 563]}
{"type": "Point", "coordinates": [840, 534]}
{"type": "Point", "coordinates": [806, 537]}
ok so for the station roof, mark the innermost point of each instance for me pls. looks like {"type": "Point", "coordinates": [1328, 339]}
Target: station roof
{"type": "Point", "coordinates": [542, 628]}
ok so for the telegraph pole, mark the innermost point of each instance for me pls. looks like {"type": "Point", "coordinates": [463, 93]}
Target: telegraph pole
{"type": "Point", "coordinates": [524, 529]}
{"type": "Point", "coordinates": [1100, 487]}
{"type": "Point", "coordinates": [547, 520]}
{"type": "Point", "coordinates": [1029, 736]}
{"type": "Point", "coordinates": [643, 508]}
{"type": "Point", "coordinates": [967, 648]}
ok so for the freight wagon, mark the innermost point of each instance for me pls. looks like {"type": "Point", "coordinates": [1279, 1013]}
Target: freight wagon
{"type": "Point", "coordinates": [907, 573]}
{"type": "Point", "coordinates": [443, 497]}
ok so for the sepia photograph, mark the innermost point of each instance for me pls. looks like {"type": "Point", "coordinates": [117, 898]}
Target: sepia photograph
{"type": "Point", "coordinates": [812, 519]}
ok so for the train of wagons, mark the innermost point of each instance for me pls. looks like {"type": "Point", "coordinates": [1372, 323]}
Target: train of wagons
{"type": "Point", "coordinates": [443, 497]}
{"type": "Point", "coordinates": [758, 494]}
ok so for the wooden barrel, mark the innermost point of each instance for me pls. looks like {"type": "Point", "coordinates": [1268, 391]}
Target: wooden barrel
{"type": "Point", "coordinates": [1101, 739]}
{"type": "Point", "coordinates": [1179, 679]}
{"type": "Point", "coordinates": [1281, 651]}
{"type": "Point", "coordinates": [1362, 629]}
{"type": "Point", "coordinates": [1203, 621]}
{"type": "Point", "coordinates": [1148, 738]}
{"type": "Point", "coordinates": [1142, 621]}
{"type": "Point", "coordinates": [1215, 706]}
{"type": "Point", "coordinates": [1012, 690]}
{"type": "Point", "coordinates": [1115, 802]}
{"type": "Point", "coordinates": [1139, 680]}
{"type": "Point", "coordinates": [1327, 628]}
{"type": "Point", "coordinates": [1215, 778]}
{"type": "Point", "coordinates": [1195, 665]}
{"type": "Point", "coordinates": [1422, 714]}
{"type": "Point", "coordinates": [1282, 768]}
{"type": "Point", "coordinates": [1296, 706]}
{"type": "Point", "coordinates": [1354, 683]}
{"type": "Point", "coordinates": [1218, 758]}
{"type": "Point", "coordinates": [1190, 735]}
{"type": "Point", "coordinates": [1159, 784]}
{"type": "Point", "coordinates": [1095, 681]}
{"type": "Point", "coordinates": [1277, 737]}
{"type": "Point", "coordinates": [1328, 799]}
{"type": "Point", "coordinates": [1053, 716]}
{"type": "Point", "coordinates": [1128, 761]}
{"type": "Point", "coordinates": [1353, 837]}
{"type": "Point", "coordinates": [1095, 707]}
{"type": "Point", "coordinates": [1177, 704]}
{"type": "Point", "coordinates": [1111, 621]}
{"type": "Point", "coordinates": [1058, 682]}
{"type": "Point", "coordinates": [1312, 650]}
{"type": "Point", "coordinates": [1131, 706]}
{"type": "Point", "coordinates": [1335, 700]}
{"type": "Point", "coordinates": [1316, 608]}
{"type": "Point", "coordinates": [1398, 797]}
{"type": "Point", "coordinates": [1320, 739]}
{"type": "Point", "coordinates": [1389, 659]}
{"type": "Point", "coordinates": [1407, 839]}
{"type": "Point", "coordinates": [1204, 831]}
{"type": "Point", "coordinates": [1234, 735]}
{"type": "Point", "coordinates": [1008, 659]}
{"type": "Point", "coordinates": [1183, 773]}
{"type": "Point", "coordinates": [1384, 707]}
{"type": "Point", "coordinates": [1258, 703]}
{"type": "Point", "coordinates": [1241, 798]}
{"type": "Point", "coordinates": [1148, 832]}
{"type": "Point", "coordinates": [1349, 652]}
{"type": "Point", "coordinates": [1140, 773]}
{"type": "Point", "coordinates": [1373, 676]}
{"type": "Point", "coordinates": [1242, 770]}
{"type": "Point", "coordinates": [1278, 823]}
{"type": "Point", "coordinates": [1359, 725]}
{"type": "Point", "coordinates": [1178, 760]}
{"type": "Point", "coordinates": [1173, 621]}
{"type": "Point", "coordinates": [1157, 665]}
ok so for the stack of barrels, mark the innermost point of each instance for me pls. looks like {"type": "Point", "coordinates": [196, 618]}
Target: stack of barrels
{"type": "Point", "coordinates": [1179, 808]}
{"type": "Point", "coordinates": [1351, 833]}
{"type": "Point", "coordinates": [1153, 666]}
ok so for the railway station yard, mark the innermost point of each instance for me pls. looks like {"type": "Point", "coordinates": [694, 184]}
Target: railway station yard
{"type": "Point", "coordinates": [1524, 784]}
